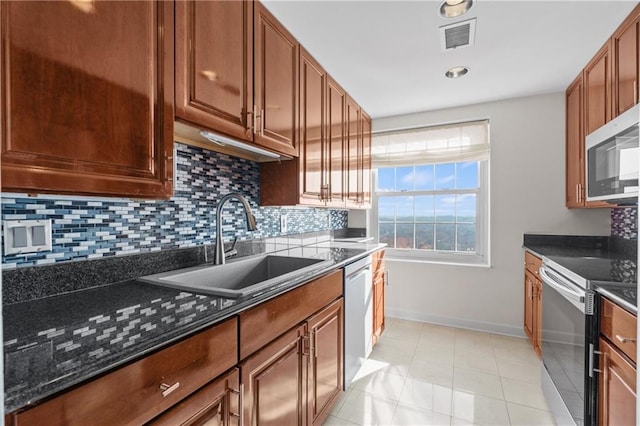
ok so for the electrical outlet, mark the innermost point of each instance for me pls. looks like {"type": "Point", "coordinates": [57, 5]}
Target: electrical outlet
{"type": "Point", "coordinates": [283, 223]}
{"type": "Point", "coordinates": [27, 236]}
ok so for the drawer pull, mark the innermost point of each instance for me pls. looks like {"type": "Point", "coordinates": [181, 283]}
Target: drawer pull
{"type": "Point", "coordinates": [167, 389]}
{"type": "Point", "coordinates": [625, 339]}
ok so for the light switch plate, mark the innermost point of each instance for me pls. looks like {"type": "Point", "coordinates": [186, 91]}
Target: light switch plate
{"type": "Point", "coordinates": [283, 223]}
{"type": "Point", "coordinates": [27, 236]}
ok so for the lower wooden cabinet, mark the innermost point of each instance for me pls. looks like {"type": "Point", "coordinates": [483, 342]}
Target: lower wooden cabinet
{"type": "Point", "coordinates": [217, 404]}
{"type": "Point", "coordinates": [617, 389]}
{"type": "Point", "coordinates": [295, 379]}
{"type": "Point", "coordinates": [533, 302]}
{"type": "Point", "coordinates": [379, 283]}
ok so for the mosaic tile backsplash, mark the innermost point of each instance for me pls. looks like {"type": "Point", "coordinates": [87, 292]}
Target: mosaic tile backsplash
{"type": "Point", "coordinates": [85, 228]}
{"type": "Point", "coordinates": [624, 223]}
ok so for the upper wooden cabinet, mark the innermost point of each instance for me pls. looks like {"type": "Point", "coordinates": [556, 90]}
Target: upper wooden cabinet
{"type": "Point", "coordinates": [275, 84]}
{"type": "Point", "coordinates": [86, 109]}
{"type": "Point", "coordinates": [214, 66]}
{"type": "Point", "coordinates": [625, 46]}
{"type": "Point", "coordinates": [366, 159]}
{"type": "Point", "coordinates": [353, 150]}
{"type": "Point", "coordinates": [597, 90]}
{"type": "Point", "coordinates": [335, 144]}
{"type": "Point", "coordinates": [575, 176]}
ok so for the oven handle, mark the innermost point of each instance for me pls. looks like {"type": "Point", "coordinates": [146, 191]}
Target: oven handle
{"type": "Point", "coordinates": [566, 289]}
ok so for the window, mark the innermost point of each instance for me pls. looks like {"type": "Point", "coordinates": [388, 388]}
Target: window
{"type": "Point", "coordinates": [431, 203]}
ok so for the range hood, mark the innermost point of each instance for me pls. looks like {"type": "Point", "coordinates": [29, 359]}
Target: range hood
{"type": "Point", "coordinates": [219, 143]}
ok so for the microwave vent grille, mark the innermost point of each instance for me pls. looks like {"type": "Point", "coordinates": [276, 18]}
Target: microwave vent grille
{"type": "Point", "coordinates": [460, 34]}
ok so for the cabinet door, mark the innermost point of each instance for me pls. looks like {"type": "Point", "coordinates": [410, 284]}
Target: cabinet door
{"type": "Point", "coordinates": [353, 150]}
{"type": "Point", "coordinates": [214, 65]}
{"type": "Point", "coordinates": [88, 110]}
{"type": "Point", "coordinates": [216, 404]}
{"type": "Point", "coordinates": [624, 44]}
{"type": "Point", "coordinates": [575, 176]}
{"type": "Point", "coordinates": [537, 316]}
{"type": "Point", "coordinates": [528, 305]}
{"type": "Point", "coordinates": [336, 103]}
{"type": "Point", "coordinates": [325, 381]}
{"type": "Point", "coordinates": [379, 283]}
{"type": "Point", "coordinates": [275, 84]}
{"type": "Point", "coordinates": [273, 378]}
{"type": "Point", "coordinates": [312, 159]}
{"type": "Point", "coordinates": [617, 388]}
{"type": "Point", "coordinates": [365, 168]}
{"type": "Point", "coordinates": [597, 88]}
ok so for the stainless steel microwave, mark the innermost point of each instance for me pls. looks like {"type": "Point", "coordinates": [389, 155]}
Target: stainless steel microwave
{"type": "Point", "coordinates": [612, 158]}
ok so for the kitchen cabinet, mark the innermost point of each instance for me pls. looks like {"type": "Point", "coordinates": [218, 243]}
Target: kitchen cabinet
{"type": "Point", "coordinates": [533, 302]}
{"type": "Point", "coordinates": [216, 404]}
{"type": "Point", "coordinates": [617, 362]}
{"type": "Point", "coordinates": [575, 175]}
{"type": "Point", "coordinates": [379, 282]}
{"type": "Point", "coordinates": [365, 168]}
{"type": "Point", "coordinates": [140, 391]}
{"type": "Point", "coordinates": [597, 90]}
{"type": "Point", "coordinates": [88, 110]}
{"type": "Point", "coordinates": [294, 378]}
{"type": "Point", "coordinates": [214, 66]}
{"type": "Point", "coordinates": [353, 149]}
{"type": "Point", "coordinates": [314, 189]}
{"type": "Point", "coordinates": [275, 84]}
{"type": "Point", "coordinates": [625, 47]}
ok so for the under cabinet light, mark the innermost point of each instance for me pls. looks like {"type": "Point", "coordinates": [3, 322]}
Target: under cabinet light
{"type": "Point", "coordinates": [225, 141]}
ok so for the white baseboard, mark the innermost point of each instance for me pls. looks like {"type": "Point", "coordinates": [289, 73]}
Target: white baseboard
{"type": "Point", "coordinates": [456, 322]}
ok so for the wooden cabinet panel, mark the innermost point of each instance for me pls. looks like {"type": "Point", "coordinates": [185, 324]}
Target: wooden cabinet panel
{"type": "Point", "coordinates": [619, 326]}
{"type": "Point", "coordinates": [336, 102]}
{"type": "Point", "coordinates": [138, 392]}
{"type": "Point", "coordinates": [262, 324]}
{"type": "Point", "coordinates": [216, 404]}
{"type": "Point", "coordinates": [365, 168]}
{"type": "Point", "coordinates": [313, 80]}
{"type": "Point", "coordinates": [214, 65]}
{"type": "Point", "coordinates": [529, 280]}
{"type": "Point", "coordinates": [275, 84]}
{"type": "Point", "coordinates": [353, 133]}
{"type": "Point", "coordinates": [533, 301]}
{"type": "Point", "coordinates": [379, 283]}
{"type": "Point", "coordinates": [617, 388]}
{"type": "Point", "coordinates": [88, 110]}
{"type": "Point", "coordinates": [597, 88]}
{"type": "Point", "coordinates": [574, 161]}
{"type": "Point", "coordinates": [326, 370]}
{"type": "Point", "coordinates": [532, 263]}
{"type": "Point", "coordinates": [273, 378]}
{"type": "Point", "coordinates": [626, 55]}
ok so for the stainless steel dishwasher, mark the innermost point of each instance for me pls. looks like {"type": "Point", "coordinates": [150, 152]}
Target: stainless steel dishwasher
{"type": "Point", "coordinates": [358, 317]}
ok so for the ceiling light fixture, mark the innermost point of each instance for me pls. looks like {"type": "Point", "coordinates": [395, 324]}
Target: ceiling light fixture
{"type": "Point", "coordinates": [454, 8]}
{"type": "Point", "coordinates": [455, 72]}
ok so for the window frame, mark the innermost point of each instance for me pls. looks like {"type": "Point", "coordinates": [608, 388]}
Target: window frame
{"type": "Point", "coordinates": [482, 255]}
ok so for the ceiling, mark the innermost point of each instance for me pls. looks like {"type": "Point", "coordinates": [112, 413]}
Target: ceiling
{"type": "Point", "coordinates": [388, 56]}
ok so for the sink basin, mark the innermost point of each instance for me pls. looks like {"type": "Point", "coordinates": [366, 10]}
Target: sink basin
{"type": "Point", "coordinates": [237, 278]}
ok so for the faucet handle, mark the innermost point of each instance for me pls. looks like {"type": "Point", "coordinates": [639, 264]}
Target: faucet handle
{"type": "Point", "coordinates": [232, 251]}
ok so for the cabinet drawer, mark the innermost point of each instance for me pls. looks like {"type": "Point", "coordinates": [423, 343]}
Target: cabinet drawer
{"type": "Point", "coordinates": [619, 326]}
{"type": "Point", "coordinates": [135, 394]}
{"type": "Point", "coordinates": [532, 263]}
{"type": "Point", "coordinates": [265, 322]}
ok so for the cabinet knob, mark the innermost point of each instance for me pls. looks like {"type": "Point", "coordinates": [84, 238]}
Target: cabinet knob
{"type": "Point", "coordinates": [167, 389]}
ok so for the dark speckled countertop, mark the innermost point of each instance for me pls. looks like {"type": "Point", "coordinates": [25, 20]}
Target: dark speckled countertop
{"type": "Point", "coordinates": [609, 265]}
{"type": "Point", "coordinates": [53, 343]}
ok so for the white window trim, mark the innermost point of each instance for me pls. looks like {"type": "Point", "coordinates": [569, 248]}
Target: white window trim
{"type": "Point", "coordinates": [482, 256]}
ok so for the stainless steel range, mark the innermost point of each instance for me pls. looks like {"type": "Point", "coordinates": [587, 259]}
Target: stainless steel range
{"type": "Point", "coordinates": [569, 344]}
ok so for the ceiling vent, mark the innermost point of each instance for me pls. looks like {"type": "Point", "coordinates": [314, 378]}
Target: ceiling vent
{"type": "Point", "coordinates": [460, 34]}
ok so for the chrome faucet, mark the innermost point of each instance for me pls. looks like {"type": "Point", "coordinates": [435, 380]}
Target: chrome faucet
{"type": "Point", "coordinates": [251, 223]}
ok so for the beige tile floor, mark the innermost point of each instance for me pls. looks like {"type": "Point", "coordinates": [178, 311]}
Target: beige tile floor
{"type": "Point", "coordinates": [426, 374]}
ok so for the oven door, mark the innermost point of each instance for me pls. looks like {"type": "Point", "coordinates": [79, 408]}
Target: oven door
{"type": "Point", "coordinates": [565, 338]}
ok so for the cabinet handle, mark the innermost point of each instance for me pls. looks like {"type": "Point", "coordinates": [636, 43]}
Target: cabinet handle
{"type": "Point", "coordinates": [262, 122]}
{"type": "Point", "coordinates": [635, 92]}
{"type": "Point", "coordinates": [386, 278]}
{"type": "Point", "coordinates": [167, 389]}
{"type": "Point", "coordinates": [605, 388]}
{"type": "Point", "coordinates": [625, 339]}
{"type": "Point", "coordinates": [254, 125]}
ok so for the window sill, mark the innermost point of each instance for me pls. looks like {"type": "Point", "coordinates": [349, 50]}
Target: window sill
{"type": "Point", "coordinates": [438, 259]}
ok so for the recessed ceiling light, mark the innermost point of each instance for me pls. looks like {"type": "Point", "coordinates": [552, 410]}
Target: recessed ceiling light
{"type": "Point", "coordinates": [453, 8]}
{"type": "Point", "coordinates": [456, 72]}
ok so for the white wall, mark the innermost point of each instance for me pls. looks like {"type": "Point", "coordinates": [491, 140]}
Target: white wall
{"type": "Point", "coordinates": [527, 195]}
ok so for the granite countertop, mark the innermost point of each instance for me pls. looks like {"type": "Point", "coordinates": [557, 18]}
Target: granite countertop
{"type": "Point", "coordinates": [608, 265]}
{"type": "Point", "coordinates": [53, 343]}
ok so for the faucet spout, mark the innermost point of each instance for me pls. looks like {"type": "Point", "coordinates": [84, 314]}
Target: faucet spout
{"type": "Point", "coordinates": [251, 223]}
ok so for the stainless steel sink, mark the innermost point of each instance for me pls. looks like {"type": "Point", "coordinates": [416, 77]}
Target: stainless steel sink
{"type": "Point", "coordinates": [237, 278]}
